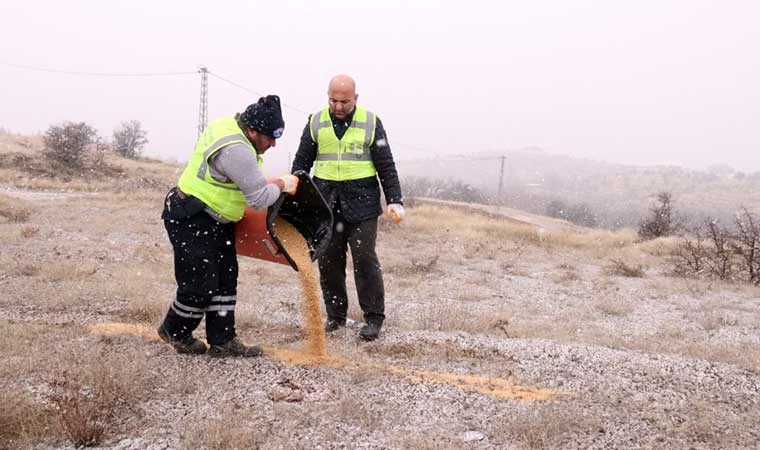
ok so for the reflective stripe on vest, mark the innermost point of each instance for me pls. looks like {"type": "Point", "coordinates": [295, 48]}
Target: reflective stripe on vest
{"type": "Point", "coordinates": [348, 158]}
{"type": "Point", "coordinates": [224, 198]}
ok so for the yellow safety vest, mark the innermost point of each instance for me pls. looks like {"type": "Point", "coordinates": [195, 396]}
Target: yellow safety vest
{"type": "Point", "coordinates": [347, 158]}
{"type": "Point", "coordinates": [224, 198]}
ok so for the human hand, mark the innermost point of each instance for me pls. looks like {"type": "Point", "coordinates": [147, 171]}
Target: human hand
{"type": "Point", "coordinates": [395, 211]}
{"type": "Point", "coordinates": [290, 183]}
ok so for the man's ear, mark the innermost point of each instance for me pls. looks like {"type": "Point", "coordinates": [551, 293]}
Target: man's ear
{"type": "Point", "coordinates": [356, 97]}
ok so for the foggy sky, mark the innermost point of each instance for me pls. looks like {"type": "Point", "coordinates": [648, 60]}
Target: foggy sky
{"type": "Point", "coordinates": [644, 82]}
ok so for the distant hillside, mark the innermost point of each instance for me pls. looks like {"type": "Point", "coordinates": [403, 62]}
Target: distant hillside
{"type": "Point", "coordinates": [23, 165]}
{"type": "Point", "coordinates": [534, 181]}
{"type": "Point", "coordinates": [618, 195]}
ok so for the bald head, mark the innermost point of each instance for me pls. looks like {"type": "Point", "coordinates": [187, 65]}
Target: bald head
{"type": "Point", "coordinates": [342, 82]}
{"type": "Point", "coordinates": [342, 96]}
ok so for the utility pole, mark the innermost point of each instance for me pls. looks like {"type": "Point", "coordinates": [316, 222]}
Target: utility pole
{"type": "Point", "coordinates": [203, 111]}
{"type": "Point", "coordinates": [501, 182]}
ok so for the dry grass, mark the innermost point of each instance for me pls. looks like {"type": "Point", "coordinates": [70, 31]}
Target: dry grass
{"type": "Point", "coordinates": [474, 227]}
{"type": "Point", "coordinates": [232, 430]}
{"type": "Point", "coordinates": [23, 421]}
{"type": "Point", "coordinates": [613, 306]}
{"type": "Point", "coordinates": [14, 210]}
{"type": "Point", "coordinates": [624, 269]}
{"type": "Point", "coordinates": [84, 392]}
{"type": "Point", "coordinates": [547, 426]}
{"type": "Point", "coordinates": [94, 392]}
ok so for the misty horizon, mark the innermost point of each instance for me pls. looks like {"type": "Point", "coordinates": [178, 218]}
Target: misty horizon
{"type": "Point", "coordinates": [648, 84]}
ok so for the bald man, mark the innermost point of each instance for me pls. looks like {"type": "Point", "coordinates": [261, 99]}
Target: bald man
{"type": "Point", "coordinates": [348, 148]}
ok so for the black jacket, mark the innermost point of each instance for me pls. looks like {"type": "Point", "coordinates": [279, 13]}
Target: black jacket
{"type": "Point", "coordinates": [358, 200]}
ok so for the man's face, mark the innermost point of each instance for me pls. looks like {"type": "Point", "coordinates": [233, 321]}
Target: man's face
{"type": "Point", "coordinates": [261, 142]}
{"type": "Point", "coordinates": [342, 100]}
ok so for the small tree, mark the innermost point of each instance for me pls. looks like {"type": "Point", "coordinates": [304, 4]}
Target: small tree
{"type": "Point", "coordinates": [690, 254]}
{"type": "Point", "coordinates": [129, 139]}
{"type": "Point", "coordinates": [720, 256]}
{"type": "Point", "coordinates": [581, 214]}
{"type": "Point", "coordinates": [68, 143]}
{"type": "Point", "coordinates": [557, 209]}
{"type": "Point", "coordinates": [660, 221]}
{"type": "Point", "coordinates": [747, 243]}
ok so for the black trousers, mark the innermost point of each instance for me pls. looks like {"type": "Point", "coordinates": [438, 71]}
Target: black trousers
{"type": "Point", "coordinates": [361, 238]}
{"type": "Point", "coordinates": [206, 270]}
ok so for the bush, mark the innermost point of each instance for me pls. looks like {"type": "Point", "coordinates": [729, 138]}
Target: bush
{"type": "Point", "coordinates": [623, 269]}
{"type": "Point", "coordinates": [718, 252]}
{"type": "Point", "coordinates": [660, 221]}
{"type": "Point", "coordinates": [129, 139]}
{"type": "Point", "coordinates": [747, 243]}
{"type": "Point", "coordinates": [443, 189]}
{"type": "Point", "coordinates": [68, 143]}
{"type": "Point", "coordinates": [14, 210]}
{"type": "Point", "coordinates": [579, 214]}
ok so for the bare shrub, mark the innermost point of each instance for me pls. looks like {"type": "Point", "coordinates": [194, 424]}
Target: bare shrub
{"type": "Point", "coordinates": [719, 261]}
{"type": "Point", "coordinates": [445, 317]}
{"type": "Point", "coordinates": [708, 250]}
{"type": "Point", "coordinates": [689, 255]}
{"type": "Point", "coordinates": [229, 431]}
{"type": "Point", "coordinates": [21, 419]}
{"type": "Point", "coordinates": [623, 269]}
{"type": "Point", "coordinates": [546, 426]}
{"type": "Point", "coordinates": [569, 274]}
{"type": "Point", "coordinates": [129, 139]}
{"type": "Point", "coordinates": [661, 221]}
{"type": "Point", "coordinates": [712, 319]}
{"type": "Point", "coordinates": [14, 210]}
{"type": "Point", "coordinates": [613, 306]}
{"type": "Point", "coordinates": [579, 214]}
{"type": "Point", "coordinates": [145, 310]}
{"type": "Point", "coordinates": [25, 270]}
{"type": "Point", "coordinates": [68, 142]}
{"type": "Point", "coordinates": [747, 243]}
{"type": "Point", "coordinates": [85, 412]}
{"type": "Point", "coordinates": [415, 267]}
{"type": "Point", "coordinates": [30, 232]}
{"type": "Point", "coordinates": [94, 391]}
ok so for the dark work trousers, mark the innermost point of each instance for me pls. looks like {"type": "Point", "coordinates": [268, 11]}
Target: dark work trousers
{"type": "Point", "coordinates": [361, 238]}
{"type": "Point", "coordinates": [206, 270]}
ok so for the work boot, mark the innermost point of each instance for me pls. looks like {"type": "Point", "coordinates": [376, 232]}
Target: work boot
{"type": "Point", "coordinates": [186, 345]}
{"type": "Point", "coordinates": [333, 324]}
{"type": "Point", "coordinates": [235, 347]}
{"type": "Point", "coordinates": [369, 332]}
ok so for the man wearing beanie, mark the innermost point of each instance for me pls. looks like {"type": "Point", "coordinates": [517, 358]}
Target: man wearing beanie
{"type": "Point", "coordinates": [350, 148]}
{"type": "Point", "coordinates": [222, 177]}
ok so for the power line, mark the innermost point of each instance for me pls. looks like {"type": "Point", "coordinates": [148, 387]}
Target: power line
{"type": "Point", "coordinates": [203, 118]}
{"type": "Point", "coordinates": [97, 74]}
{"type": "Point", "coordinates": [240, 86]}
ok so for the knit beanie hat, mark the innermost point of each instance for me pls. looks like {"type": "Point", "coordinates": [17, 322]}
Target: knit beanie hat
{"type": "Point", "coordinates": [265, 116]}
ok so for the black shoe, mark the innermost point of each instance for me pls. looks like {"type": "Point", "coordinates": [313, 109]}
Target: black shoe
{"type": "Point", "coordinates": [369, 332]}
{"type": "Point", "coordinates": [186, 345]}
{"type": "Point", "coordinates": [235, 347]}
{"type": "Point", "coordinates": [333, 324]}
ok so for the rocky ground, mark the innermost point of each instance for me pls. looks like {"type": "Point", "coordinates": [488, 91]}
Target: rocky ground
{"type": "Point", "coordinates": [496, 338]}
